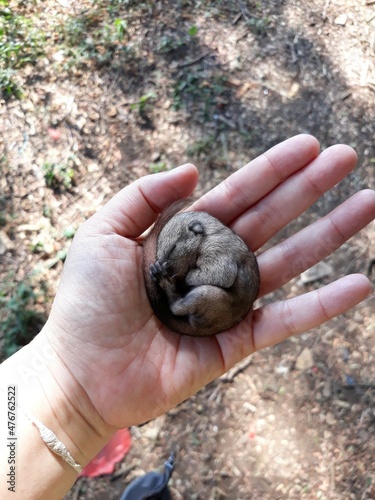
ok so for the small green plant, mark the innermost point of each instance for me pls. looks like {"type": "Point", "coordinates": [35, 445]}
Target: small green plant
{"type": "Point", "coordinates": [115, 4]}
{"type": "Point", "coordinates": [202, 147]}
{"type": "Point", "coordinates": [21, 43]}
{"type": "Point", "coordinates": [47, 211]}
{"type": "Point", "coordinates": [306, 488]}
{"type": "Point", "coordinates": [8, 85]}
{"type": "Point", "coordinates": [95, 36]}
{"type": "Point", "coordinates": [121, 27]}
{"type": "Point", "coordinates": [69, 232]}
{"type": "Point", "coordinates": [142, 104]}
{"type": "Point", "coordinates": [193, 31]}
{"type": "Point", "coordinates": [172, 43]}
{"type": "Point", "coordinates": [62, 254]}
{"type": "Point", "coordinates": [199, 94]}
{"type": "Point", "coordinates": [258, 26]}
{"type": "Point", "coordinates": [21, 321]}
{"type": "Point", "coordinates": [36, 246]}
{"type": "Point", "coordinates": [3, 217]}
{"type": "Point", "coordinates": [159, 166]}
{"type": "Point", "coordinates": [58, 177]}
{"type": "Point", "coordinates": [169, 44]}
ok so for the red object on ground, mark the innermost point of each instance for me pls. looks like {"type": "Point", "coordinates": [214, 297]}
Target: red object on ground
{"type": "Point", "coordinates": [113, 452]}
{"type": "Point", "coordinates": [54, 133]}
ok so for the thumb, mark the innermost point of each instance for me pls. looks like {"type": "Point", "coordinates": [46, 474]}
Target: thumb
{"type": "Point", "coordinates": [132, 210]}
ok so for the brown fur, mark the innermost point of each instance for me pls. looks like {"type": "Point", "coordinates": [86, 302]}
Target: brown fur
{"type": "Point", "coordinates": [200, 277]}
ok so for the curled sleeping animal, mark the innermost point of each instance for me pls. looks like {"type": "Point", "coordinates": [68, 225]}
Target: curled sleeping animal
{"type": "Point", "coordinates": [200, 276]}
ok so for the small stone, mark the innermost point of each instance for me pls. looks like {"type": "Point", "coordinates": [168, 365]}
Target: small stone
{"type": "Point", "coordinates": [58, 56]}
{"type": "Point", "coordinates": [49, 248]}
{"type": "Point", "coordinates": [80, 122]}
{"type": "Point", "coordinates": [293, 91]}
{"type": "Point", "coordinates": [151, 433]}
{"type": "Point", "coordinates": [249, 407]}
{"type": "Point", "coordinates": [112, 111]}
{"type": "Point", "coordinates": [305, 360]}
{"type": "Point", "coordinates": [327, 389]}
{"type": "Point", "coordinates": [156, 155]}
{"type": "Point", "coordinates": [5, 243]}
{"type": "Point", "coordinates": [94, 116]}
{"type": "Point", "coordinates": [329, 335]}
{"type": "Point", "coordinates": [358, 317]}
{"type": "Point", "coordinates": [315, 273]}
{"type": "Point", "coordinates": [3, 248]}
{"type": "Point", "coordinates": [282, 369]}
{"type": "Point", "coordinates": [330, 419]}
{"type": "Point", "coordinates": [341, 19]}
{"type": "Point", "coordinates": [352, 327]}
{"type": "Point", "coordinates": [152, 429]}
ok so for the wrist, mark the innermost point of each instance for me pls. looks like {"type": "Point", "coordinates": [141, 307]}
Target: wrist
{"type": "Point", "coordinates": [49, 391]}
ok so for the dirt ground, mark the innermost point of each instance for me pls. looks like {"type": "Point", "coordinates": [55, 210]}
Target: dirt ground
{"type": "Point", "coordinates": [124, 88]}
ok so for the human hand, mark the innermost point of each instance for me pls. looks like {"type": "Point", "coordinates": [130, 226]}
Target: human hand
{"type": "Point", "coordinates": [130, 366]}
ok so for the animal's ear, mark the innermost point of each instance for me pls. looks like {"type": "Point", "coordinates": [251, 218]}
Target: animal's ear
{"type": "Point", "coordinates": [196, 227]}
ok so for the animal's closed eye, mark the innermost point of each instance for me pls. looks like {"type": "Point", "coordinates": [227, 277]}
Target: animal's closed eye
{"type": "Point", "coordinates": [172, 250]}
{"type": "Point", "coordinates": [196, 227]}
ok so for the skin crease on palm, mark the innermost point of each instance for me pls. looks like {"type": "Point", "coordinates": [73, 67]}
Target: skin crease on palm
{"type": "Point", "coordinates": [113, 352]}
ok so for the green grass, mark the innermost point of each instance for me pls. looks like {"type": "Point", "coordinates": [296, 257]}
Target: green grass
{"type": "Point", "coordinates": [3, 212]}
{"type": "Point", "coordinates": [142, 106]}
{"type": "Point", "coordinates": [59, 177]}
{"type": "Point", "coordinates": [20, 321]}
{"type": "Point", "coordinates": [202, 148]}
{"type": "Point", "coordinates": [258, 26]}
{"type": "Point", "coordinates": [171, 43]}
{"type": "Point", "coordinates": [21, 43]}
{"type": "Point", "coordinates": [199, 94]}
{"type": "Point", "coordinates": [156, 167]}
{"type": "Point", "coordinates": [95, 37]}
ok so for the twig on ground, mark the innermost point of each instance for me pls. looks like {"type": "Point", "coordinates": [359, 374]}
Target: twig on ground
{"type": "Point", "coordinates": [193, 61]}
{"type": "Point", "coordinates": [237, 18]}
{"type": "Point", "coordinates": [243, 10]}
{"type": "Point", "coordinates": [325, 8]}
{"type": "Point", "coordinates": [233, 372]}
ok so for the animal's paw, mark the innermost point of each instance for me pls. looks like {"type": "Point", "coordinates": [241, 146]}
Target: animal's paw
{"type": "Point", "coordinates": [159, 271]}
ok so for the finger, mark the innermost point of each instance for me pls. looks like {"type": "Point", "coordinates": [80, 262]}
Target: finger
{"type": "Point", "coordinates": [288, 259]}
{"type": "Point", "coordinates": [294, 195]}
{"type": "Point", "coordinates": [276, 322]}
{"type": "Point", "coordinates": [259, 177]}
{"type": "Point", "coordinates": [131, 211]}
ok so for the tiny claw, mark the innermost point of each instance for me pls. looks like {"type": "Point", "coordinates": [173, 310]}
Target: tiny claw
{"type": "Point", "coordinates": [158, 271]}
{"type": "Point", "coordinates": [153, 273]}
{"type": "Point", "coordinates": [164, 270]}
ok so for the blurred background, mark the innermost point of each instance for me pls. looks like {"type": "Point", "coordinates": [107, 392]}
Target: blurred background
{"type": "Point", "coordinates": [95, 94]}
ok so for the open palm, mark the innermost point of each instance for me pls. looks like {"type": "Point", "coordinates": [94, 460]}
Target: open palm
{"type": "Point", "coordinates": [131, 366]}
